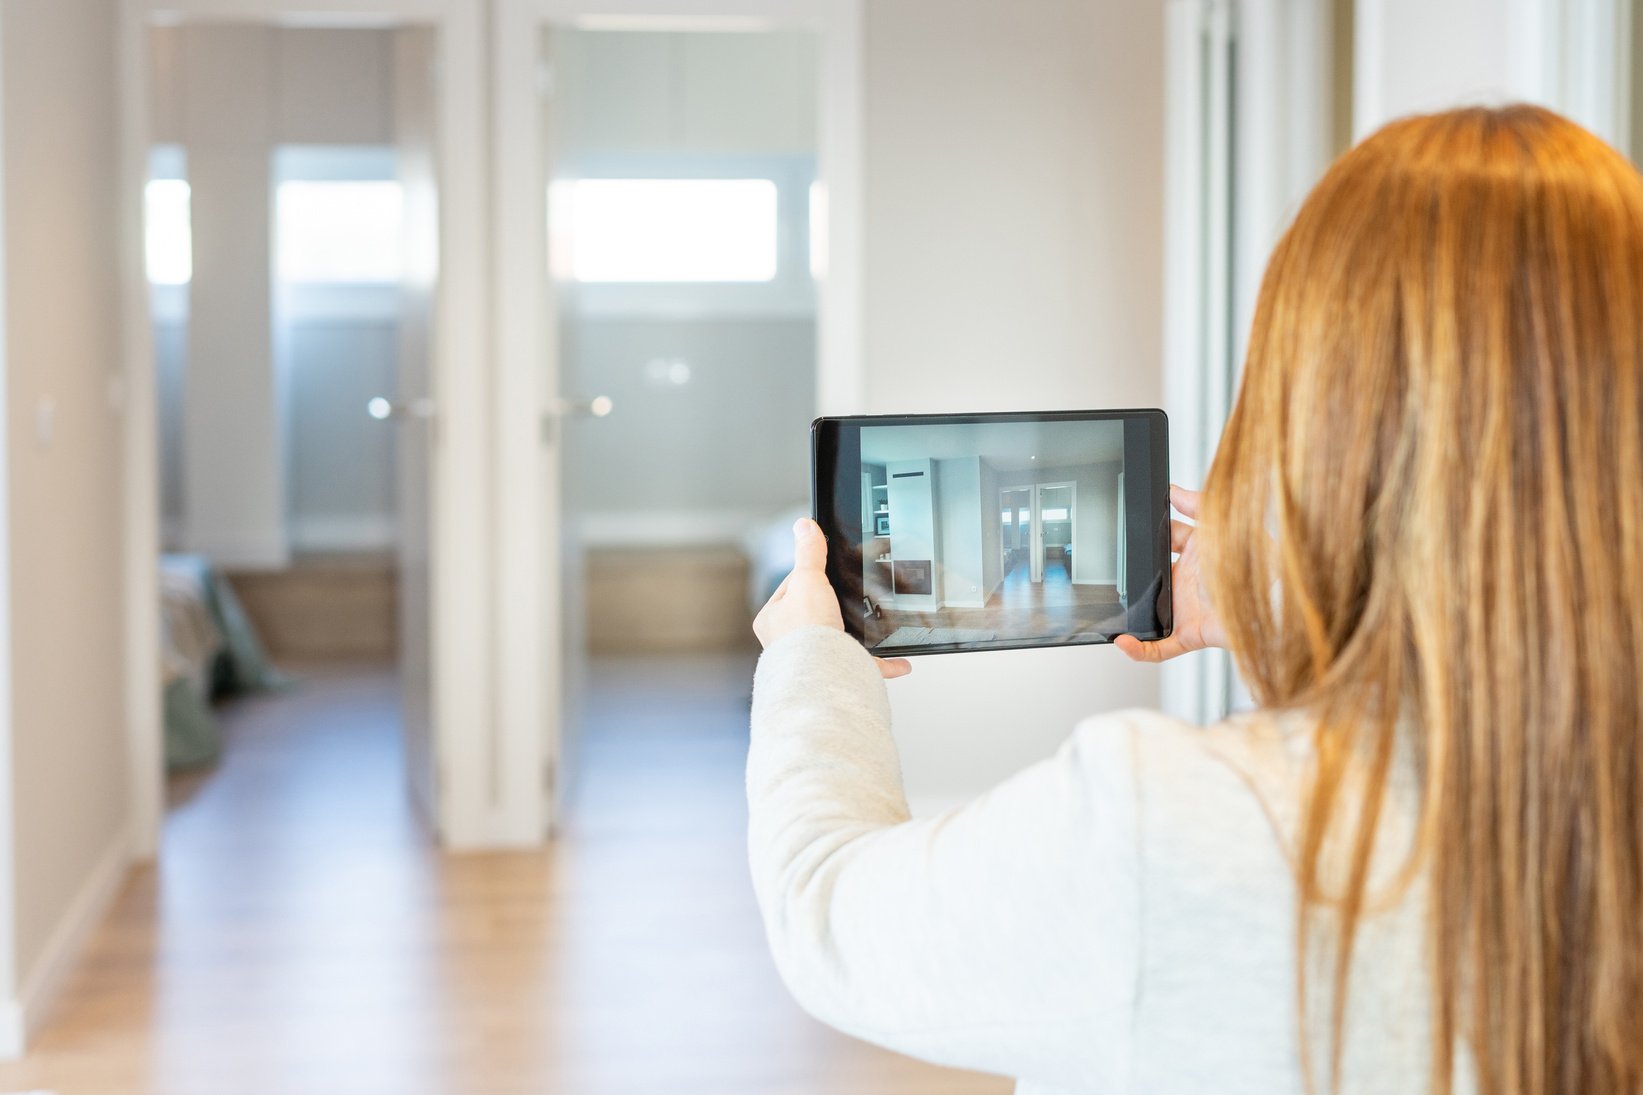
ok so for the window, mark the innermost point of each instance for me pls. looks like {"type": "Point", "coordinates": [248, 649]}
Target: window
{"type": "Point", "coordinates": [673, 230]}
{"type": "Point", "coordinates": [340, 233]}
{"type": "Point", "coordinates": [1057, 513]}
{"type": "Point", "coordinates": [818, 231]}
{"type": "Point", "coordinates": [169, 241]}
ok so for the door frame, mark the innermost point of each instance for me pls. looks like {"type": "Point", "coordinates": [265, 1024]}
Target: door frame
{"type": "Point", "coordinates": [530, 652]}
{"type": "Point", "coordinates": [1249, 90]}
{"type": "Point", "coordinates": [1015, 530]}
{"type": "Point", "coordinates": [1035, 562]}
{"type": "Point", "coordinates": [463, 729]}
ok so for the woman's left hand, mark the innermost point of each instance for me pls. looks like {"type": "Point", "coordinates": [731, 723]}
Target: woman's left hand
{"type": "Point", "coordinates": [805, 599]}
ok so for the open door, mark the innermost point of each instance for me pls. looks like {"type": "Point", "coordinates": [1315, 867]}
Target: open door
{"type": "Point", "coordinates": [412, 407]}
{"type": "Point", "coordinates": [564, 561]}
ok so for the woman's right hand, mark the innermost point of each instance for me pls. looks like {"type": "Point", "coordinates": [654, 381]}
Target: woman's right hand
{"type": "Point", "coordinates": [1196, 625]}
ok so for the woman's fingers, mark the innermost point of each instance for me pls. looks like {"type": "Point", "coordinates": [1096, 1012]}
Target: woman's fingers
{"type": "Point", "coordinates": [894, 667]}
{"type": "Point", "coordinates": [1137, 651]}
{"type": "Point", "coordinates": [1185, 501]}
{"type": "Point", "coordinates": [1179, 533]}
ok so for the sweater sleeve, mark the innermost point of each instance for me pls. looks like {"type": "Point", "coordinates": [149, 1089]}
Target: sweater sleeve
{"type": "Point", "coordinates": [1001, 936]}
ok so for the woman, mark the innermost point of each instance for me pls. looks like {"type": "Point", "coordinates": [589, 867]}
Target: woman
{"type": "Point", "coordinates": [1418, 866]}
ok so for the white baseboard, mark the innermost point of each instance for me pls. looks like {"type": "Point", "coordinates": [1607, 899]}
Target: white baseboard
{"type": "Point", "coordinates": [21, 1018]}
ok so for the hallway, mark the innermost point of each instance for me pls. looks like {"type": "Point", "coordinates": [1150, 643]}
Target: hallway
{"type": "Point", "coordinates": [1021, 607]}
{"type": "Point", "coordinates": [300, 937]}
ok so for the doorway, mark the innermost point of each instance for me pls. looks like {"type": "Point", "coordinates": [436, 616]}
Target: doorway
{"type": "Point", "coordinates": [325, 269]}
{"type": "Point", "coordinates": [292, 173]}
{"type": "Point", "coordinates": [1016, 514]}
{"type": "Point", "coordinates": [1054, 510]}
{"type": "Point", "coordinates": [682, 169]}
{"type": "Point", "coordinates": [546, 410]}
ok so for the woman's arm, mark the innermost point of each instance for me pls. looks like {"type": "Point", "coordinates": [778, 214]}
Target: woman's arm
{"type": "Point", "coordinates": [1002, 936]}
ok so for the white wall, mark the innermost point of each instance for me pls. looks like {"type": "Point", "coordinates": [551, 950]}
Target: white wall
{"type": "Point", "coordinates": [914, 529]}
{"type": "Point", "coordinates": [1014, 228]}
{"type": "Point", "coordinates": [992, 532]}
{"type": "Point", "coordinates": [1415, 56]}
{"type": "Point", "coordinates": [67, 758]}
{"type": "Point", "coordinates": [962, 554]}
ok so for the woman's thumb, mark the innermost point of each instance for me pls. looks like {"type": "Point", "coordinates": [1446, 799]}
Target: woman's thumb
{"type": "Point", "coordinates": [809, 546]}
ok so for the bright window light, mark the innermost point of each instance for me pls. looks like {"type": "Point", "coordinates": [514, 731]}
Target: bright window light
{"type": "Point", "coordinates": [1056, 514]}
{"type": "Point", "coordinates": [668, 230]}
{"type": "Point", "coordinates": [170, 237]}
{"type": "Point", "coordinates": [340, 233]}
{"type": "Point", "coordinates": [818, 231]}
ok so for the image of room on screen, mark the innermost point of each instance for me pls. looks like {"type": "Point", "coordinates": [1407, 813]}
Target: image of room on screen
{"type": "Point", "coordinates": [993, 532]}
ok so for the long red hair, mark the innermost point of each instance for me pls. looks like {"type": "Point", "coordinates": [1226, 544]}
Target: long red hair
{"type": "Point", "coordinates": [1426, 518]}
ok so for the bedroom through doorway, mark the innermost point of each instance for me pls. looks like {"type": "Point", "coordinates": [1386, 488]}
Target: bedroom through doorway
{"type": "Point", "coordinates": [292, 256]}
{"type": "Point", "coordinates": [683, 212]}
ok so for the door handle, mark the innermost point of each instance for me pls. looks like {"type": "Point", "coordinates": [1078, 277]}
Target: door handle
{"type": "Point", "coordinates": [559, 409]}
{"type": "Point", "coordinates": [598, 407]}
{"type": "Point", "coordinates": [384, 409]}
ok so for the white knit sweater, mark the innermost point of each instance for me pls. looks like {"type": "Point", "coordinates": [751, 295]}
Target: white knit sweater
{"type": "Point", "coordinates": [1118, 918]}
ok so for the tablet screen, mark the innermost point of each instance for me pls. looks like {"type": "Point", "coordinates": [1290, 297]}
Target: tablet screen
{"type": "Point", "coordinates": [980, 532]}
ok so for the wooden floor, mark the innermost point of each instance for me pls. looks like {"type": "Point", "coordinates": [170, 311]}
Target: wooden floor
{"type": "Point", "coordinates": [1022, 608]}
{"type": "Point", "coordinates": [299, 936]}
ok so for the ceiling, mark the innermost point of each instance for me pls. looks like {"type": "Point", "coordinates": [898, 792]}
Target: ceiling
{"type": "Point", "coordinates": [1005, 446]}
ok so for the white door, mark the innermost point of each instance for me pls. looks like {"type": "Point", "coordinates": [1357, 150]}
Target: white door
{"type": "Point", "coordinates": [538, 565]}
{"type": "Point", "coordinates": [568, 413]}
{"type": "Point", "coordinates": [411, 407]}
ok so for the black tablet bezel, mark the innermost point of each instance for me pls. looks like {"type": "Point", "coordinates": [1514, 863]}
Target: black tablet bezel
{"type": "Point", "coordinates": [844, 566]}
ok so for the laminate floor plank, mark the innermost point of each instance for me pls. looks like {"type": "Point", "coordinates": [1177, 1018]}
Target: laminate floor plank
{"type": "Point", "coordinates": [301, 936]}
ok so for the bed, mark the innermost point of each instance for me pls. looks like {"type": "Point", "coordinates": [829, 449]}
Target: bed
{"type": "Point", "coordinates": [208, 649]}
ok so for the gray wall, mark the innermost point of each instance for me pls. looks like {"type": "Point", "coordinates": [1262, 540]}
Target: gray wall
{"type": "Point", "coordinates": [68, 771]}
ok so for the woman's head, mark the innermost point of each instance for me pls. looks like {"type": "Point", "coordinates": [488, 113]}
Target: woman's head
{"type": "Point", "coordinates": [1429, 503]}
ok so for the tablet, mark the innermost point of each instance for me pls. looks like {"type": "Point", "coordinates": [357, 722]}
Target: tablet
{"type": "Point", "coordinates": [959, 532]}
